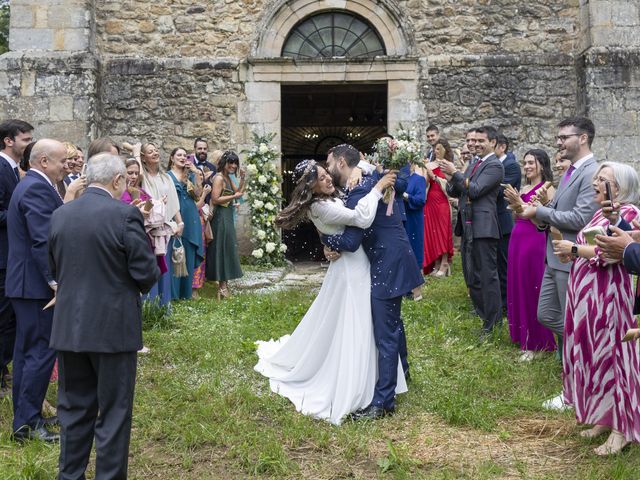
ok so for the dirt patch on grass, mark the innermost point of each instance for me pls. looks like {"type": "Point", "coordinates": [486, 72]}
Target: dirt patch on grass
{"type": "Point", "coordinates": [520, 448]}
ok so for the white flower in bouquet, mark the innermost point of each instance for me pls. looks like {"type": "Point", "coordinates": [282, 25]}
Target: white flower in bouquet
{"type": "Point", "coordinates": [252, 169]}
{"type": "Point", "coordinates": [269, 206]}
{"type": "Point", "coordinates": [271, 167]}
{"type": "Point", "coordinates": [263, 148]}
{"type": "Point", "coordinates": [270, 247]}
{"type": "Point", "coordinates": [283, 248]}
{"type": "Point", "coordinates": [262, 179]}
{"type": "Point", "coordinates": [258, 253]}
{"type": "Point", "coordinates": [258, 204]}
{"type": "Point", "coordinates": [275, 189]}
{"type": "Point", "coordinates": [261, 234]}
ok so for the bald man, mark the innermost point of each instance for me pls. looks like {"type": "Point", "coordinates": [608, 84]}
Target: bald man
{"type": "Point", "coordinates": [30, 287]}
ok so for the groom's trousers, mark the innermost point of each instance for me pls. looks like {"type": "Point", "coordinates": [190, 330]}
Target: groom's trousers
{"type": "Point", "coordinates": [388, 331]}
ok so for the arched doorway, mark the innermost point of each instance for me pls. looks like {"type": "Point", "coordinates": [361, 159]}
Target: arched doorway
{"type": "Point", "coordinates": [319, 76]}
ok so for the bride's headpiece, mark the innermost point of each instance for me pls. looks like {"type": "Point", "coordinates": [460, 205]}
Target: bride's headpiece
{"type": "Point", "coordinates": [303, 169]}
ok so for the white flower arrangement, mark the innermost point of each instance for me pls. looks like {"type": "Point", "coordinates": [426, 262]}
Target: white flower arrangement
{"type": "Point", "coordinates": [264, 197]}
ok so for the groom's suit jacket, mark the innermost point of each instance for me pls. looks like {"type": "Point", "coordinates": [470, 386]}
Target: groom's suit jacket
{"type": "Point", "coordinates": [394, 269]}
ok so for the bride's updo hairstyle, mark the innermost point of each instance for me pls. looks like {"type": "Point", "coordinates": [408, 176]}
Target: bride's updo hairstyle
{"type": "Point", "coordinates": [305, 176]}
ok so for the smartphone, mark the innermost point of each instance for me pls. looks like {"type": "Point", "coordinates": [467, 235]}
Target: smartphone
{"type": "Point", "coordinates": [83, 172]}
{"type": "Point", "coordinates": [591, 232]}
{"type": "Point", "coordinates": [608, 195]}
{"type": "Point", "coordinates": [148, 205]}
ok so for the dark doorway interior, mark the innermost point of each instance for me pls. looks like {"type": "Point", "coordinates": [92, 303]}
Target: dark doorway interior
{"type": "Point", "coordinates": [316, 118]}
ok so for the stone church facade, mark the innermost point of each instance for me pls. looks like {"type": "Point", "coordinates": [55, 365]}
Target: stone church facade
{"type": "Point", "coordinates": [170, 70]}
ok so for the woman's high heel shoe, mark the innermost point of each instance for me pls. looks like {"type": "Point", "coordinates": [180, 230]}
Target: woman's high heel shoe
{"type": "Point", "coordinates": [442, 274]}
{"type": "Point", "coordinates": [223, 292]}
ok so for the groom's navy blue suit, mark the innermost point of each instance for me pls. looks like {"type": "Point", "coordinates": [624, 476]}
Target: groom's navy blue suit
{"type": "Point", "coordinates": [394, 273]}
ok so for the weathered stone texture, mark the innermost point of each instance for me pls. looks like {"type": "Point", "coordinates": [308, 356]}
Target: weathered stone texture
{"type": "Point", "coordinates": [54, 91]}
{"type": "Point", "coordinates": [169, 28]}
{"type": "Point", "coordinates": [170, 102]}
{"type": "Point", "coordinates": [526, 100]}
{"type": "Point", "coordinates": [612, 90]}
{"type": "Point", "coordinates": [498, 26]}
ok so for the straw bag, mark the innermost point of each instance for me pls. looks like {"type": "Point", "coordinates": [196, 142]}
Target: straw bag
{"type": "Point", "coordinates": [179, 259]}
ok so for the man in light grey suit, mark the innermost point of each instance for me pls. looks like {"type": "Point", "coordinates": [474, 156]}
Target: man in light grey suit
{"type": "Point", "coordinates": [570, 210]}
{"type": "Point", "coordinates": [478, 190]}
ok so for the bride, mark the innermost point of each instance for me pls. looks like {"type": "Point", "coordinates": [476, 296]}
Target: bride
{"type": "Point", "coordinates": [328, 366]}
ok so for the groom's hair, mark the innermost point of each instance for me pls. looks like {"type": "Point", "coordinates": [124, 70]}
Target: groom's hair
{"type": "Point", "coordinates": [348, 152]}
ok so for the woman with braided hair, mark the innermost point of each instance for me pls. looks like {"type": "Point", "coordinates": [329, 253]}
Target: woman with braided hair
{"type": "Point", "coordinates": [328, 366]}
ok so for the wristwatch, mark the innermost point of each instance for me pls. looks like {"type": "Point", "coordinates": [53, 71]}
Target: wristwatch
{"type": "Point", "coordinates": [574, 249]}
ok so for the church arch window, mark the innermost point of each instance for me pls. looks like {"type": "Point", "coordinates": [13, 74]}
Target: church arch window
{"type": "Point", "coordinates": [333, 34]}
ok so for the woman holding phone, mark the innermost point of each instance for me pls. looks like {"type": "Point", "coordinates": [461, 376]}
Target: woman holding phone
{"type": "Point", "coordinates": [601, 373]}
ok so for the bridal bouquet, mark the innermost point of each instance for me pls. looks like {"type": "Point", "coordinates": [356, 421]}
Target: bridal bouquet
{"type": "Point", "coordinates": [393, 154]}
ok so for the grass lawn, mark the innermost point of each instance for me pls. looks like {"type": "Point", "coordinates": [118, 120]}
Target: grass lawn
{"type": "Point", "coordinates": [472, 412]}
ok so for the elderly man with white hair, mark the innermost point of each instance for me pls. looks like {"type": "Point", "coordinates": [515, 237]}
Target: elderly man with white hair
{"type": "Point", "coordinates": [97, 325]}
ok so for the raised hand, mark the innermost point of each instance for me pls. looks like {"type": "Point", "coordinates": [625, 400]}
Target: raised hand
{"type": "Point", "coordinates": [387, 181]}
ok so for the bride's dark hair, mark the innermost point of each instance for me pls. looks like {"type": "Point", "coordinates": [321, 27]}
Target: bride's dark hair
{"type": "Point", "coordinates": [306, 177]}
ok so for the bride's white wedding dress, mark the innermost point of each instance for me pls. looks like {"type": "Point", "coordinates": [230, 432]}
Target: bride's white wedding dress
{"type": "Point", "coordinates": [328, 366]}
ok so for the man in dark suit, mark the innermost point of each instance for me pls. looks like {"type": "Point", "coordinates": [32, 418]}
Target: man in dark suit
{"type": "Point", "coordinates": [101, 271]}
{"type": "Point", "coordinates": [15, 135]}
{"type": "Point", "coordinates": [30, 286]}
{"type": "Point", "coordinates": [387, 246]}
{"type": "Point", "coordinates": [478, 190]}
{"type": "Point", "coordinates": [513, 177]}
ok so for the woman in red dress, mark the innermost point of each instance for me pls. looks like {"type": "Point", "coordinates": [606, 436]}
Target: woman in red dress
{"type": "Point", "coordinates": [438, 233]}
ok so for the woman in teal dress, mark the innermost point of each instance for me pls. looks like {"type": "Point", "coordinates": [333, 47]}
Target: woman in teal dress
{"type": "Point", "coordinates": [223, 262]}
{"type": "Point", "coordinates": [184, 181]}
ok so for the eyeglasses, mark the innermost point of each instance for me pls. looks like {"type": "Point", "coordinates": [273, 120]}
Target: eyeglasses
{"type": "Point", "coordinates": [563, 138]}
{"type": "Point", "coordinates": [600, 179]}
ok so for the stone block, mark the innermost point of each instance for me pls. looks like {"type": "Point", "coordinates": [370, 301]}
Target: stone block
{"type": "Point", "coordinates": [61, 108]}
{"type": "Point", "coordinates": [76, 39]}
{"type": "Point", "coordinates": [21, 17]}
{"type": "Point", "coordinates": [28, 39]}
{"type": "Point", "coordinates": [9, 84]}
{"type": "Point", "coordinates": [82, 109]}
{"type": "Point", "coordinates": [64, 131]}
{"type": "Point", "coordinates": [40, 16]}
{"type": "Point", "coordinates": [76, 16]}
{"type": "Point", "coordinates": [28, 83]}
{"type": "Point", "coordinates": [262, 91]}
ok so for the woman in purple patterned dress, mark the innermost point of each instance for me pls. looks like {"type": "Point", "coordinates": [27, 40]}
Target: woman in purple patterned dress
{"type": "Point", "coordinates": [527, 249]}
{"type": "Point", "coordinates": [602, 373]}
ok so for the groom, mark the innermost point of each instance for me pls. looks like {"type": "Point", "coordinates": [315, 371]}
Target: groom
{"type": "Point", "coordinates": [394, 273]}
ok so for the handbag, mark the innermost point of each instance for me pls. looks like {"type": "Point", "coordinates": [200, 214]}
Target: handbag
{"type": "Point", "coordinates": [208, 233]}
{"type": "Point", "coordinates": [179, 259]}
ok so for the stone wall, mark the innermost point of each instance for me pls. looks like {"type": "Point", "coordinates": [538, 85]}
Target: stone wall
{"type": "Point", "coordinates": [226, 28]}
{"type": "Point", "coordinates": [171, 101]}
{"type": "Point", "coordinates": [524, 96]}
{"type": "Point", "coordinates": [56, 92]}
{"type": "Point", "coordinates": [463, 27]}
{"type": "Point", "coordinates": [171, 28]}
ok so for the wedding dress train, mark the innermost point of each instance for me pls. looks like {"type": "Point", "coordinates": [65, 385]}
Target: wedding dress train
{"type": "Point", "coordinates": [328, 366]}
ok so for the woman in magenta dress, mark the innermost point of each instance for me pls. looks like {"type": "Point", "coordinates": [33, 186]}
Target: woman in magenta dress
{"type": "Point", "coordinates": [527, 250]}
{"type": "Point", "coordinates": [438, 233]}
{"type": "Point", "coordinates": [601, 373]}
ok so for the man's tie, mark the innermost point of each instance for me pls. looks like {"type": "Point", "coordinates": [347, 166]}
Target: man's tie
{"type": "Point", "coordinates": [475, 167]}
{"type": "Point", "coordinates": [15, 170]}
{"type": "Point", "coordinates": [567, 175]}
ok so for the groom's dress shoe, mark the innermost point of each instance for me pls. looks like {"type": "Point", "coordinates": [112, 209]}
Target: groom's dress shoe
{"type": "Point", "coordinates": [372, 412]}
{"type": "Point", "coordinates": [25, 433]}
{"type": "Point", "coordinates": [51, 421]}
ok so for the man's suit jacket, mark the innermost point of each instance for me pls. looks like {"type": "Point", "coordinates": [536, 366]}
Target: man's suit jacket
{"type": "Point", "coordinates": [101, 268]}
{"type": "Point", "coordinates": [512, 176]}
{"type": "Point", "coordinates": [482, 193]}
{"type": "Point", "coordinates": [571, 209]}
{"type": "Point", "coordinates": [8, 183]}
{"type": "Point", "coordinates": [32, 204]}
{"type": "Point", "coordinates": [631, 260]}
{"type": "Point", "coordinates": [394, 269]}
